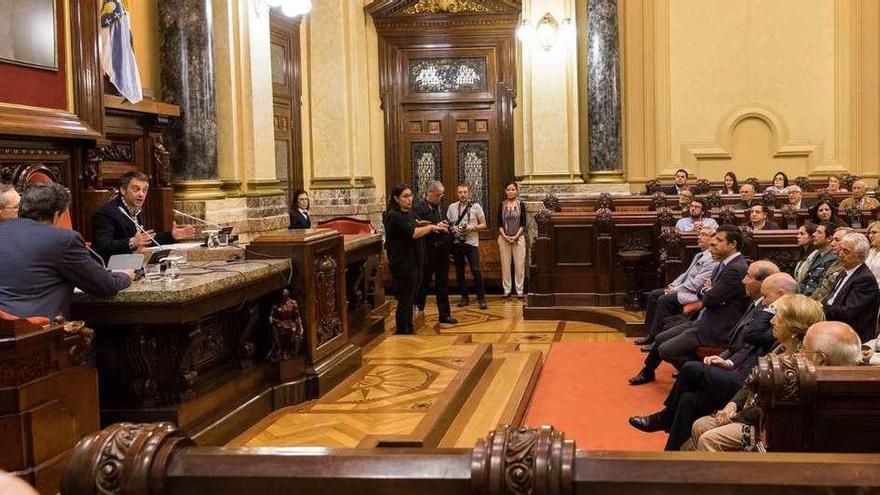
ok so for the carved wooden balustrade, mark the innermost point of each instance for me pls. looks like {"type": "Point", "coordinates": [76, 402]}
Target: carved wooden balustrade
{"type": "Point", "coordinates": [141, 459]}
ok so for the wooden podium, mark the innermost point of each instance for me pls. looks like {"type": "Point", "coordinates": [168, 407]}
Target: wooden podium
{"type": "Point", "coordinates": [318, 286]}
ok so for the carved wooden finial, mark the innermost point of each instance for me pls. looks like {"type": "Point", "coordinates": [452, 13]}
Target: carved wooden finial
{"type": "Point", "coordinates": [782, 380]}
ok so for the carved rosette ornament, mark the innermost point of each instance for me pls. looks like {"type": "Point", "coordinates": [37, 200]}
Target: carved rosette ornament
{"type": "Point", "coordinates": [523, 461]}
{"type": "Point", "coordinates": [658, 201]}
{"type": "Point", "coordinates": [701, 186]}
{"type": "Point", "coordinates": [782, 380]}
{"type": "Point", "coordinates": [671, 239]}
{"type": "Point", "coordinates": [665, 218]}
{"type": "Point", "coordinates": [605, 201]}
{"type": "Point", "coordinates": [542, 217]}
{"type": "Point", "coordinates": [653, 186]}
{"type": "Point", "coordinates": [768, 198]}
{"type": "Point", "coordinates": [854, 214]}
{"type": "Point", "coordinates": [448, 7]}
{"type": "Point", "coordinates": [91, 174]}
{"type": "Point", "coordinates": [604, 221]}
{"type": "Point", "coordinates": [713, 200]}
{"type": "Point", "coordinates": [125, 458]}
{"type": "Point", "coordinates": [727, 216]}
{"type": "Point", "coordinates": [551, 202]}
{"type": "Point", "coordinates": [804, 183]}
{"type": "Point", "coordinates": [790, 215]}
{"type": "Point", "coordinates": [329, 321]}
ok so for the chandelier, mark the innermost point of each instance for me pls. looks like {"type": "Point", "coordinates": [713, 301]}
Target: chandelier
{"type": "Point", "coordinates": [292, 8]}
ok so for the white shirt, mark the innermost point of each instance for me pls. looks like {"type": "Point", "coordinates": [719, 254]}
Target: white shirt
{"type": "Point", "coordinates": [842, 283]}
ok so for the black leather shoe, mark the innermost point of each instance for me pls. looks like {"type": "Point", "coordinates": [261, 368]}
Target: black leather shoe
{"type": "Point", "coordinates": [650, 423]}
{"type": "Point", "coordinates": [483, 304]}
{"type": "Point", "coordinates": [644, 340]}
{"type": "Point", "coordinates": [644, 376]}
{"type": "Point", "coordinates": [463, 303]}
{"type": "Point", "coordinates": [448, 320]}
{"type": "Point", "coordinates": [646, 348]}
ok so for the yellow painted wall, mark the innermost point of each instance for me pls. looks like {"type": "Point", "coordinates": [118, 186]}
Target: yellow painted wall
{"type": "Point", "coordinates": [145, 31]}
{"type": "Point", "coordinates": [751, 86]}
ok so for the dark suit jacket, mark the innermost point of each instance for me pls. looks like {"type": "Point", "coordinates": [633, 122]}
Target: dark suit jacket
{"type": "Point", "coordinates": [298, 220]}
{"type": "Point", "coordinates": [751, 337]}
{"type": "Point", "coordinates": [816, 272]}
{"type": "Point", "coordinates": [768, 225]}
{"type": "Point", "coordinates": [112, 230]}
{"type": "Point", "coordinates": [670, 190]}
{"type": "Point", "coordinates": [744, 205]}
{"type": "Point", "coordinates": [724, 304]}
{"type": "Point", "coordinates": [856, 303]}
{"type": "Point", "coordinates": [41, 264]}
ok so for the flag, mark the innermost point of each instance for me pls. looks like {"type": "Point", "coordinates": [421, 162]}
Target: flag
{"type": "Point", "coordinates": [117, 51]}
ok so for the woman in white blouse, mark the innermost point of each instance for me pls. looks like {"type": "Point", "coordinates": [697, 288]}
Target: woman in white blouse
{"type": "Point", "coordinates": [873, 260]}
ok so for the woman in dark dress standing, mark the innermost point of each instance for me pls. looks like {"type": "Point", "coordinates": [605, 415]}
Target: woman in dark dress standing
{"type": "Point", "coordinates": [404, 253]}
{"type": "Point", "coordinates": [299, 211]}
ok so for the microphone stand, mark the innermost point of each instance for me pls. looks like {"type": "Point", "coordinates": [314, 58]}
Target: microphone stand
{"type": "Point", "coordinates": [138, 227]}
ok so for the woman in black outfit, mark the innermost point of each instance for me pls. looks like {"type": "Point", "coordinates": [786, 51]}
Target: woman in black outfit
{"type": "Point", "coordinates": [299, 211]}
{"type": "Point", "coordinates": [405, 253]}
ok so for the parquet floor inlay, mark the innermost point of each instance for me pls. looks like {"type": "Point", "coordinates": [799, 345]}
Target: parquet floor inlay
{"type": "Point", "coordinates": [406, 382]}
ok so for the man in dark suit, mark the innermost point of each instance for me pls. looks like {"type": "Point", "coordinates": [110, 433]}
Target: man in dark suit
{"type": "Point", "coordinates": [41, 263]}
{"type": "Point", "coordinates": [724, 301]}
{"type": "Point", "coordinates": [438, 246]}
{"type": "Point", "coordinates": [758, 214]}
{"type": "Point", "coordinates": [704, 386]}
{"type": "Point", "coordinates": [118, 226]}
{"type": "Point", "coordinates": [681, 177]}
{"type": "Point", "coordinates": [747, 196]}
{"type": "Point", "coordinates": [854, 298]}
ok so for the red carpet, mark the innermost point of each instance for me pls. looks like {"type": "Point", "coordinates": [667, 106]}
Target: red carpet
{"type": "Point", "coordinates": [583, 392]}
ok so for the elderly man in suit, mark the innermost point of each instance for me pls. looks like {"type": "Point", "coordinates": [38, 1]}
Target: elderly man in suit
{"type": "Point", "coordinates": [9, 200]}
{"type": "Point", "coordinates": [859, 198]}
{"type": "Point", "coordinates": [118, 226]}
{"type": "Point", "coordinates": [670, 300]}
{"type": "Point", "coordinates": [707, 385]}
{"type": "Point", "coordinates": [41, 263]}
{"type": "Point", "coordinates": [724, 300]}
{"type": "Point", "coordinates": [854, 297]}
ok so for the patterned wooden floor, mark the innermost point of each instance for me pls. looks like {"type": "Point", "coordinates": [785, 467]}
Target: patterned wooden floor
{"type": "Point", "coordinates": [411, 384]}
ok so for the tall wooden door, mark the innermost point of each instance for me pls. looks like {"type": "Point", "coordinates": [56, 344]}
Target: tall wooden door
{"type": "Point", "coordinates": [287, 100]}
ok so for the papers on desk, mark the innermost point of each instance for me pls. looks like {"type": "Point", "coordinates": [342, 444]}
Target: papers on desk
{"type": "Point", "coordinates": [179, 246]}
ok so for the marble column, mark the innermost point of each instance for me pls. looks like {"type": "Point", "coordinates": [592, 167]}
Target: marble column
{"type": "Point", "coordinates": [603, 92]}
{"type": "Point", "coordinates": [188, 81]}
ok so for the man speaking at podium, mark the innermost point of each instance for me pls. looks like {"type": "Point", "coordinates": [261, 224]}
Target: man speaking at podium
{"type": "Point", "coordinates": [118, 227]}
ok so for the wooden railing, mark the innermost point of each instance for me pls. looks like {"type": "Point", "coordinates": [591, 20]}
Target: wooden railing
{"type": "Point", "coordinates": [158, 459]}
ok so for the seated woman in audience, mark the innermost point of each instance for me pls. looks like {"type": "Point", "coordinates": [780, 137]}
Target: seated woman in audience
{"type": "Point", "coordinates": [731, 185]}
{"type": "Point", "coordinates": [808, 250]}
{"type": "Point", "coordinates": [826, 211]}
{"type": "Point", "coordinates": [873, 259]}
{"type": "Point", "coordinates": [834, 183]}
{"type": "Point", "coordinates": [299, 211]}
{"type": "Point", "coordinates": [780, 183]}
{"type": "Point", "coordinates": [825, 343]}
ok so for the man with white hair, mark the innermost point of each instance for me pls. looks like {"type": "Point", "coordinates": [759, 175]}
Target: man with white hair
{"type": "Point", "coordinates": [854, 297]}
{"type": "Point", "coordinates": [9, 200]}
{"type": "Point", "coordinates": [859, 198]}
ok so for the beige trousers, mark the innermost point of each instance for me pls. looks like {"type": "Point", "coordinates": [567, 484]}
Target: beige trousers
{"type": "Point", "coordinates": [516, 252]}
{"type": "Point", "coordinates": [708, 436]}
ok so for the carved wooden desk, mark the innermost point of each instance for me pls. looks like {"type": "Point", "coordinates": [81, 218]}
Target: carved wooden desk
{"type": "Point", "coordinates": [364, 289]}
{"type": "Point", "coordinates": [188, 353]}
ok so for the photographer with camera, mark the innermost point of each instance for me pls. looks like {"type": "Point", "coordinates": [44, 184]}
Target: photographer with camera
{"type": "Point", "coordinates": [466, 219]}
{"type": "Point", "coordinates": [438, 245]}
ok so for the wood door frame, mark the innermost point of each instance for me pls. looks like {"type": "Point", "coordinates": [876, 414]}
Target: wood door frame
{"type": "Point", "coordinates": [400, 30]}
{"type": "Point", "coordinates": [286, 32]}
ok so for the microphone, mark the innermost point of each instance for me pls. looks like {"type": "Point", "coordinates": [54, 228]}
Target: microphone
{"type": "Point", "coordinates": [137, 225]}
{"type": "Point", "coordinates": [197, 219]}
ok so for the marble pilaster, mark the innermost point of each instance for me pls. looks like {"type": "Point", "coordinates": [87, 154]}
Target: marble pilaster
{"type": "Point", "coordinates": [603, 92]}
{"type": "Point", "coordinates": [188, 81]}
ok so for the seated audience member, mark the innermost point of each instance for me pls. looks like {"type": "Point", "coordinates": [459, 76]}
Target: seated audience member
{"type": "Point", "coordinates": [680, 184]}
{"type": "Point", "coordinates": [9, 200]}
{"type": "Point", "coordinates": [871, 352]}
{"type": "Point", "coordinates": [707, 385]}
{"type": "Point", "coordinates": [685, 197]}
{"type": "Point", "coordinates": [41, 263]}
{"type": "Point", "coordinates": [822, 258]}
{"type": "Point", "coordinates": [747, 196]}
{"type": "Point", "coordinates": [670, 300]}
{"type": "Point", "coordinates": [731, 185]}
{"type": "Point", "coordinates": [826, 211]}
{"type": "Point", "coordinates": [854, 298]}
{"type": "Point", "coordinates": [724, 300]}
{"type": "Point", "coordinates": [695, 219]}
{"type": "Point", "coordinates": [834, 183]}
{"type": "Point", "coordinates": [860, 198]}
{"type": "Point", "coordinates": [299, 211]}
{"type": "Point", "coordinates": [808, 251]}
{"type": "Point", "coordinates": [829, 279]}
{"type": "Point", "coordinates": [796, 198]}
{"type": "Point", "coordinates": [827, 343]}
{"type": "Point", "coordinates": [118, 226]}
{"type": "Point", "coordinates": [758, 218]}
{"type": "Point", "coordinates": [873, 260]}
{"type": "Point", "coordinates": [780, 184]}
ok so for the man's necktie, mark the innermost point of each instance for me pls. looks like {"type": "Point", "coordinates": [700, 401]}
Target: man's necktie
{"type": "Point", "coordinates": [837, 285]}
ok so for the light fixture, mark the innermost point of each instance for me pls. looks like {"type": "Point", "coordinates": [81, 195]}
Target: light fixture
{"type": "Point", "coordinates": [291, 8]}
{"type": "Point", "coordinates": [546, 32]}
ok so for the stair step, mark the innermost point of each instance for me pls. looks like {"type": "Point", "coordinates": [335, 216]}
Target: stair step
{"type": "Point", "coordinates": [500, 397]}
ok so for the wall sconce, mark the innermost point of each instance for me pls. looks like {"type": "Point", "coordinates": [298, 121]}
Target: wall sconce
{"type": "Point", "coordinates": [546, 32]}
{"type": "Point", "coordinates": [292, 8]}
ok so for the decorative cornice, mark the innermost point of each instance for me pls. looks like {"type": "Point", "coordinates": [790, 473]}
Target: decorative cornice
{"type": "Point", "coordinates": [398, 8]}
